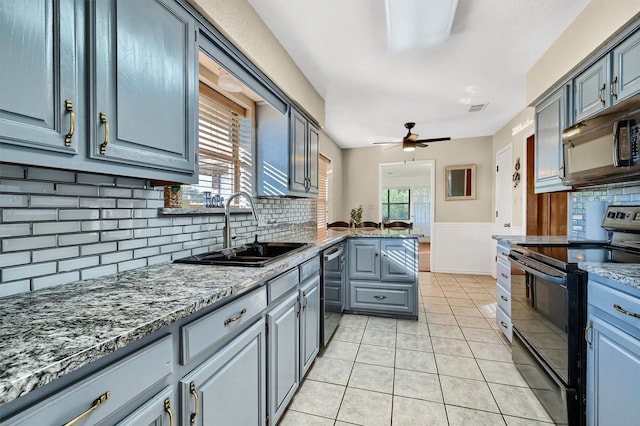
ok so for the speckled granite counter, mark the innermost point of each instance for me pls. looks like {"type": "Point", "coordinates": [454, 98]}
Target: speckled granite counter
{"type": "Point", "coordinates": [48, 333]}
{"type": "Point", "coordinates": [532, 239]}
{"type": "Point", "coordinates": [627, 274]}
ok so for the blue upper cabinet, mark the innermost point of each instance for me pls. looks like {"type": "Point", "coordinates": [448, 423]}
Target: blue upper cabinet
{"type": "Point", "coordinates": [305, 138]}
{"type": "Point", "coordinates": [38, 79]}
{"type": "Point", "coordinates": [142, 84]}
{"type": "Point", "coordinates": [551, 119]}
{"type": "Point", "coordinates": [625, 80]}
{"type": "Point", "coordinates": [590, 94]}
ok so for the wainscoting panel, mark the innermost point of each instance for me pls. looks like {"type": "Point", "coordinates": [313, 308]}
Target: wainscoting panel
{"type": "Point", "coordinates": [463, 248]}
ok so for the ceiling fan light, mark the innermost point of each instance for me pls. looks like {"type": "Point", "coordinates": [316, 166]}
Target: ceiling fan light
{"type": "Point", "coordinates": [416, 24]}
{"type": "Point", "coordinates": [228, 83]}
{"type": "Point", "coordinates": [408, 146]}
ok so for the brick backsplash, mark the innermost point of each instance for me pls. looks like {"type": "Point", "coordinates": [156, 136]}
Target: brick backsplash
{"type": "Point", "coordinates": [627, 195]}
{"type": "Point", "coordinates": [59, 226]}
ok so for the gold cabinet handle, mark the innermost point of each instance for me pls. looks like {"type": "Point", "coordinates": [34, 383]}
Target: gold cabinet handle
{"type": "Point", "coordinates": [586, 334]}
{"type": "Point", "coordinates": [103, 120]}
{"type": "Point", "coordinates": [236, 318]}
{"type": "Point", "coordinates": [68, 105]}
{"type": "Point", "coordinates": [611, 89]}
{"type": "Point", "coordinates": [624, 311]}
{"type": "Point", "coordinates": [101, 399]}
{"type": "Point", "coordinates": [167, 408]}
{"type": "Point", "coordinates": [601, 94]}
{"type": "Point", "coordinates": [194, 392]}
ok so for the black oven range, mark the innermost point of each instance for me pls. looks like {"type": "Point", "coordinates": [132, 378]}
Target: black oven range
{"type": "Point", "coordinates": [549, 311]}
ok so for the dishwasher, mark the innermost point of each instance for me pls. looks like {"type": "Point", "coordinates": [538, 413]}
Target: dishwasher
{"type": "Point", "coordinates": [332, 290]}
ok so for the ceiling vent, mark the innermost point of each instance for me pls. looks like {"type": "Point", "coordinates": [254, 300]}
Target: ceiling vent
{"type": "Point", "coordinates": [477, 108]}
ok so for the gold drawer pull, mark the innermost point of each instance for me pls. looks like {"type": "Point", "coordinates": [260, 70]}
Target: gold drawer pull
{"type": "Point", "coordinates": [624, 311]}
{"type": "Point", "coordinates": [236, 318]}
{"type": "Point", "coordinates": [601, 94]}
{"type": "Point", "coordinates": [68, 105]}
{"type": "Point", "coordinates": [380, 297]}
{"type": "Point", "coordinates": [612, 88]}
{"type": "Point", "coordinates": [194, 392]}
{"type": "Point", "coordinates": [167, 408]}
{"type": "Point", "coordinates": [103, 145]}
{"type": "Point", "coordinates": [101, 399]}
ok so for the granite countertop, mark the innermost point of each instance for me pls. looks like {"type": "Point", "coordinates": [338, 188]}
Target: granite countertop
{"type": "Point", "coordinates": [48, 333]}
{"type": "Point", "coordinates": [624, 273]}
{"type": "Point", "coordinates": [531, 240]}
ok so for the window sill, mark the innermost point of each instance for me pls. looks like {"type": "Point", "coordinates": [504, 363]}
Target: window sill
{"type": "Point", "coordinates": [194, 211]}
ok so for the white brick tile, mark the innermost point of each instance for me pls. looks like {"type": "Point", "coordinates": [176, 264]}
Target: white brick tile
{"type": "Point", "coordinates": [57, 279]}
{"type": "Point", "coordinates": [100, 225]}
{"type": "Point", "coordinates": [169, 248]}
{"type": "Point", "coordinates": [180, 254]}
{"type": "Point", "coordinates": [13, 259]}
{"type": "Point", "coordinates": [56, 253]}
{"type": "Point", "coordinates": [180, 238]}
{"type": "Point", "coordinates": [29, 243]}
{"type": "Point", "coordinates": [146, 213]}
{"type": "Point", "coordinates": [164, 221]}
{"type": "Point", "coordinates": [147, 232]}
{"type": "Point", "coordinates": [98, 203]}
{"type": "Point", "coordinates": [132, 244]}
{"type": "Point", "coordinates": [146, 252]}
{"type": "Point", "coordinates": [16, 287]}
{"type": "Point", "coordinates": [132, 264]}
{"type": "Point", "coordinates": [28, 271]}
{"type": "Point", "coordinates": [119, 256]}
{"type": "Point", "coordinates": [12, 171]}
{"type": "Point", "coordinates": [191, 244]}
{"type": "Point", "coordinates": [28, 215]}
{"type": "Point", "coordinates": [158, 241]}
{"type": "Point", "coordinates": [148, 194]}
{"type": "Point", "coordinates": [96, 179]}
{"type": "Point", "coordinates": [78, 190]}
{"type": "Point", "coordinates": [15, 230]}
{"type": "Point", "coordinates": [37, 173]}
{"type": "Point", "coordinates": [26, 187]}
{"type": "Point", "coordinates": [78, 239]}
{"type": "Point", "coordinates": [153, 204]}
{"type": "Point", "coordinates": [14, 200]}
{"type": "Point", "coordinates": [116, 235]}
{"type": "Point", "coordinates": [78, 263]}
{"type": "Point", "coordinates": [186, 220]}
{"type": "Point", "coordinates": [55, 228]}
{"type": "Point", "coordinates": [132, 223]}
{"type": "Point", "coordinates": [106, 191]}
{"type": "Point", "coordinates": [98, 248]}
{"type": "Point", "coordinates": [171, 230]}
{"type": "Point", "coordinates": [78, 214]}
{"type": "Point", "coordinates": [100, 271]}
{"type": "Point", "coordinates": [115, 213]}
{"type": "Point", "coordinates": [123, 203]}
{"type": "Point", "coordinates": [131, 182]}
{"type": "Point", "coordinates": [53, 201]}
{"type": "Point", "coordinates": [155, 260]}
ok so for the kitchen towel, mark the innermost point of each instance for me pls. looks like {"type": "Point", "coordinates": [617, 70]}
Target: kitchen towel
{"type": "Point", "coordinates": [594, 214]}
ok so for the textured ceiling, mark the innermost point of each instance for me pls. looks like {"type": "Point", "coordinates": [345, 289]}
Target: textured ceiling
{"type": "Point", "coordinates": [340, 45]}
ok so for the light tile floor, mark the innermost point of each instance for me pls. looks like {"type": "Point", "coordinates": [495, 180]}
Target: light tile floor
{"type": "Point", "coordinates": [451, 367]}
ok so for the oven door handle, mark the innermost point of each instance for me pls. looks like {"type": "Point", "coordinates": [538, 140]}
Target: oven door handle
{"type": "Point", "coordinates": [332, 254]}
{"type": "Point", "coordinates": [560, 279]}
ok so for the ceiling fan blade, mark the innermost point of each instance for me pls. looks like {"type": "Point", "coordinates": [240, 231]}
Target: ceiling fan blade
{"type": "Point", "coordinates": [433, 140]}
{"type": "Point", "coordinates": [385, 143]}
{"type": "Point", "coordinates": [411, 137]}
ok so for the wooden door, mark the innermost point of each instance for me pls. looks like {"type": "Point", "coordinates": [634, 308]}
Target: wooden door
{"type": "Point", "coordinates": [547, 212]}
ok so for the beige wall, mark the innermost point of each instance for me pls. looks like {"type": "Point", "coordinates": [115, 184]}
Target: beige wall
{"type": "Point", "coordinates": [333, 152]}
{"type": "Point", "coordinates": [515, 133]}
{"type": "Point", "coordinates": [598, 22]}
{"type": "Point", "coordinates": [361, 174]}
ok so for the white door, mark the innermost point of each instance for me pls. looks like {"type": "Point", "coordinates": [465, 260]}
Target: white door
{"type": "Point", "coordinates": [504, 190]}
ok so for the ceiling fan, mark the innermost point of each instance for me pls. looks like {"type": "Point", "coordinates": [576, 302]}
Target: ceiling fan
{"type": "Point", "coordinates": [411, 141]}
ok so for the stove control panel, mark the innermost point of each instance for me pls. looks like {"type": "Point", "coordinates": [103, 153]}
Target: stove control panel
{"type": "Point", "coordinates": [623, 218]}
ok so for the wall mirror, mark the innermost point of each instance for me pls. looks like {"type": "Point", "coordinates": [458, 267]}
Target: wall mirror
{"type": "Point", "coordinates": [460, 182]}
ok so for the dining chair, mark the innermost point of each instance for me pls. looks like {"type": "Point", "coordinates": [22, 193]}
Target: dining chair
{"type": "Point", "coordinates": [367, 224]}
{"type": "Point", "coordinates": [338, 224]}
{"type": "Point", "coordinates": [399, 224]}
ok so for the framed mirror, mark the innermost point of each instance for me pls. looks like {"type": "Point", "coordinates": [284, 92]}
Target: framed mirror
{"type": "Point", "coordinates": [460, 182]}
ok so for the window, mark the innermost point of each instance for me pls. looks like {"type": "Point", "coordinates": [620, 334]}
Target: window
{"type": "Point", "coordinates": [224, 153]}
{"type": "Point", "coordinates": [395, 204]}
{"type": "Point", "coordinates": [323, 193]}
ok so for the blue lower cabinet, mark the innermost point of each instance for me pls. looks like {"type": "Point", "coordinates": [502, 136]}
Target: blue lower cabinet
{"type": "Point", "coordinates": [309, 323]}
{"type": "Point", "coordinates": [161, 410]}
{"type": "Point", "coordinates": [230, 387]}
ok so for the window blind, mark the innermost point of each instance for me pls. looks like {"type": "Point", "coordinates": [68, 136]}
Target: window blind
{"type": "Point", "coordinates": [323, 191]}
{"type": "Point", "coordinates": [224, 138]}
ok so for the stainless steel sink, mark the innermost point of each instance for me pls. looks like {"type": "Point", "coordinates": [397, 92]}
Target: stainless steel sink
{"type": "Point", "coordinates": [255, 254]}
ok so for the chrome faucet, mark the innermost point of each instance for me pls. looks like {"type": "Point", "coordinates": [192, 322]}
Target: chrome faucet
{"type": "Point", "coordinates": [227, 224]}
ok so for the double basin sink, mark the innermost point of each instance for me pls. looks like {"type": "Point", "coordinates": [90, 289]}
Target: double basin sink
{"type": "Point", "coordinates": [255, 254]}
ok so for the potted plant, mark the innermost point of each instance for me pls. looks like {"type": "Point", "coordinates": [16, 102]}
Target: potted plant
{"type": "Point", "coordinates": [356, 215]}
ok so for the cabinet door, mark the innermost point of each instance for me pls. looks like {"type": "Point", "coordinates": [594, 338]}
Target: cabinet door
{"type": "Point", "coordinates": [160, 410]}
{"type": "Point", "coordinates": [590, 90]}
{"type": "Point", "coordinates": [229, 388]}
{"type": "Point", "coordinates": [613, 374]}
{"type": "Point", "coordinates": [298, 152]}
{"type": "Point", "coordinates": [143, 84]}
{"type": "Point", "coordinates": [550, 121]}
{"type": "Point", "coordinates": [312, 159]}
{"type": "Point", "coordinates": [309, 323]}
{"type": "Point", "coordinates": [399, 260]}
{"type": "Point", "coordinates": [38, 77]}
{"type": "Point", "coordinates": [284, 355]}
{"type": "Point", "coordinates": [626, 68]}
{"type": "Point", "coordinates": [364, 259]}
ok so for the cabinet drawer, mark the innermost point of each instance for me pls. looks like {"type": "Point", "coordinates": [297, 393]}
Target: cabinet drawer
{"type": "Point", "coordinates": [281, 285]}
{"type": "Point", "coordinates": [504, 322]}
{"type": "Point", "coordinates": [503, 298]}
{"type": "Point", "coordinates": [204, 333]}
{"type": "Point", "coordinates": [123, 382]}
{"type": "Point", "coordinates": [607, 299]}
{"type": "Point", "coordinates": [389, 298]}
{"type": "Point", "coordinates": [503, 273]}
{"type": "Point", "coordinates": [502, 251]}
{"type": "Point", "coordinates": [309, 269]}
